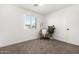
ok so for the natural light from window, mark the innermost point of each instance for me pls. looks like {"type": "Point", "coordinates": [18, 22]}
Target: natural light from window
{"type": "Point", "coordinates": [30, 22]}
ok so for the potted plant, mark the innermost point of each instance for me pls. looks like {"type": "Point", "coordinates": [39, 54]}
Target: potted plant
{"type": "Point", "coordinates": [51, 31]}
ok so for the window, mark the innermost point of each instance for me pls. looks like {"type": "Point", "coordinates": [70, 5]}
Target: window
{"type": "Point", "coordinates": [30, 22]}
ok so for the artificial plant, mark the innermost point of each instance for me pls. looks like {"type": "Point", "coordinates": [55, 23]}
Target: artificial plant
{"type": "Point", "coordinates": [51, 30]}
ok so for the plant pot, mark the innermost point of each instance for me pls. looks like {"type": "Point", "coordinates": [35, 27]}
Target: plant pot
{"type": "Point", "coordinates": [51, 38]}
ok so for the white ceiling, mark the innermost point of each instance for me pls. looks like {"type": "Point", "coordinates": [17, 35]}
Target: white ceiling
{"type": "Point", "coordinates": [44, 9]}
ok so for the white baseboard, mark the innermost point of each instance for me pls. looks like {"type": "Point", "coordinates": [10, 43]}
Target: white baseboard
{"type": "Point", "coordinates": [67, 42]}
{"type": "Point", "coordinates": [12, 43]}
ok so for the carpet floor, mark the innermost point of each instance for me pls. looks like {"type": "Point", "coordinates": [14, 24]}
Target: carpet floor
{"type": "Point", "coordinates": [41, 47]}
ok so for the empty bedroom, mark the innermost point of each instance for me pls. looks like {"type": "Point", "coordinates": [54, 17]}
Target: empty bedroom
{"type": "Point", "coordinates": [39, 28]}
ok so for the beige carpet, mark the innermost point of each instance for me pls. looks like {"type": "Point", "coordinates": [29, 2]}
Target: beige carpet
{"type": "Point", "coordinates": [41, 47]}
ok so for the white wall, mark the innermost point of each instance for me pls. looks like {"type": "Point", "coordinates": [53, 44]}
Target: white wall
{"type": "Point", "coordinates": [63, 19]}
{"type": "Point", "coordinates": [12, 25]}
